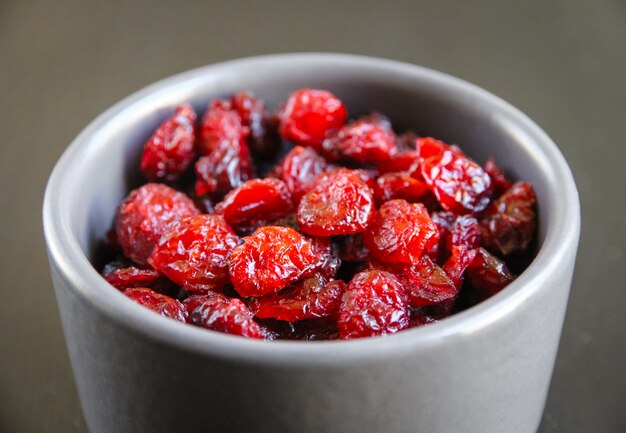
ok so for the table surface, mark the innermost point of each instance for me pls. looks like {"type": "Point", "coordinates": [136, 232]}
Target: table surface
{"type": "Point", "coordinates": [562, 62]}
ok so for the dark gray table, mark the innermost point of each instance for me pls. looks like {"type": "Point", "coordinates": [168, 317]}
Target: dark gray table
{"type": "Point", "coordinates": [562, 62]}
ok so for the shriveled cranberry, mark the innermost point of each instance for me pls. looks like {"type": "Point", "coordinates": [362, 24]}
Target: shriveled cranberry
{"type": "Point", "coordinates": [145, 214]}
{"type": "Point", "coordinates": [309, 115]}
{"type": "Point", "coordinates": [272, 259]}
{"type": "Point", "coordinates": [465, 231]}
{"type": "Point", "coordinates": [308, 299]}
{"type": "Point", "coordinates": [509, 224]}
{"type": "Point", "coordinates": [375, 303]}
{"type": "Point", "coordinates": [460, 184]}
{"type": "Point", "coordinates": [257, 119]}
{"type": "Point", "coordinates": [194, 253]}
{"type": "Point", "coordinates": [222, 127]}
{"type": "Point", "coordinates": [225, 168]}
{"type": "Point", "coordinates": [367, 140]}
{"type": "Point", "coordinates": [400, 232]}
{"type": "Point", "coordinates": [458, 262]}
{"type": "Point", "coordinates": [162, 304]}
{"type": "Point", "coordinates": [299, 168]}
{"type": "Point", "coordinates": [219, 313]}
{"type": "Point", "coordinates": [255, 201]}
{"type": "Point", "coordinates": [171, 149]}
{"type": "Point", "coordinates": [488, 274]}
{"type": "Point", "coordinates": [393, 186]}
{"type": "Point", "coordinates": [425, 282]}
{"type": "Point", "coordinates": [407, 162]}
{"type": "Point", "coordinates": [340, 204]}
{"type": "Point", "coordinates": [498, 178]}
{"type": "Point", "coordinates": [130, 276]}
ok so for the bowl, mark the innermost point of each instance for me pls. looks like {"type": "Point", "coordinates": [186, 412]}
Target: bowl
{"type": "Point", "coordinates": [486, 369]}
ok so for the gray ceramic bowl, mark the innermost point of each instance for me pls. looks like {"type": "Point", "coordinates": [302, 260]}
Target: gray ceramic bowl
{"type": "Point", "coordinates": [486, 369]}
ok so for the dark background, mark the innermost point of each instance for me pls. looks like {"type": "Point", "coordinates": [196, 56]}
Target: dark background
{"type": "Point", "coordinates": [561, 62]}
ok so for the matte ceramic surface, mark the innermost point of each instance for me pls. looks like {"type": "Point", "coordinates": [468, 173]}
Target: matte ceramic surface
{"type": "Point", "coordinates": [486, 369]}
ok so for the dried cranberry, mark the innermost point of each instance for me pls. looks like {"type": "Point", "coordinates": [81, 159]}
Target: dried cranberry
{"type": "Point", "coordinates": [171, 149]}
{"type": "Point", "coordinates": [488, 274]}
{"type": "Point", "coordinates": [425, 282]}
{"type": "Point", "coordinates": [460, 185]}
{"type": "Point", "coordinates": [162, 304]}
{"type": "Point", "coordinates": [367, 140]}
{"type": "Point", "coordinates": [219, 313]}
{"type": "Point", "coordinates": [340, 204]}
{"type": "Point", "coordinates": [221, 128]}
{"type": "Point", "coordinates": [309, 115]}
{"type": "Point", "coordinates": [126, 277]}
{"type": "Point", "coordinates": [310, 298]}
{"type": "Point", "coordinates": [145, 214]}
{"type": "Point", "coordinates": [458, 262]}
{"type": "Point", "coordinates": [393, 186]}
{"type": "Point", "coordinates": [375, 303]}
{"type": "Point", "coordinates": [224, 169]}
{"type": "Point", "coordinates": [299, 168]}
{"type": "Point", "coordinates": [407, 162]}
{"type": "Point", "coordinates": [400, 232]}
{"type": "Point", "coordinates": [256, 201]}
{"type": "Point", "coordinates": [465, 231]}
{"type": "Point", "coordinates": [509, 223]}
{"type": "Point", "coordinates": [272, 259]}
{"type": "Point", "coordinates": [498, 178]}
{"type": "Point", "coordinates": [259, 122]}
{"type": "Point", "coordinates": [194, 253]}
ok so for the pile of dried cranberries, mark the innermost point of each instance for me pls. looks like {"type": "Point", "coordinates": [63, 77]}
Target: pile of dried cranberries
{"type": "Point", "coordinates": [304, 225]}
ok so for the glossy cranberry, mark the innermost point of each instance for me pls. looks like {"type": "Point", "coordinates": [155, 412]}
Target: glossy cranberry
{"type": "Point", "coordinates": [194, 253]}
{"type": "Point", "coordinates": [161, 304]}
{"type": "Point", "coordinates": [339, 204]}
{"type": "Point", "coordinates": [219, 313]}
{"type": "Point", "coordinates": [145, 214]}
{"type": "Point", "coordinates": [299, 169]}
{"type": "Point", "coordinates": [488, 274]}
{"type": "Point", "coordinates": [367, 140]}
{"type": "Point", "coordinates": [400, 232]}
{"type": "Point", "coordinates": [310, 115]}
{"type": "Point", "coordinates": [425, 282]}
{"type": "Point", "coordinates": [375, 303]}
{"type": "Point", "coordinates": [509, 224]}
{"type": "Point", "coordinates": [263, 139]}
{"type": "Point", "coordinates": [256, 201]}
{"type": "Point", "coordinates": [272, 259]}
{"type": "Point", "coordinates": [130, 276]}
{"type": "Point", "coordinates": [460, 185]}
{"type": "Point", "coordinates": [458, 262]}
{"type": "Point", "coordinates": [222, 127]}
{"type": "Point", "coordinates": [222, 170]}
{"type": "Point", "coordinates": [393, 186]}
{"type": "Point", "coordinates": [171, 149]}
{"type": "Point", "coordinates": [311, 298]}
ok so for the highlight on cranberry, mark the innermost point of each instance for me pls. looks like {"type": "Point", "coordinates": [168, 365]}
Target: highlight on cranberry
{"type": "Point", "coordinates": [304, 224]}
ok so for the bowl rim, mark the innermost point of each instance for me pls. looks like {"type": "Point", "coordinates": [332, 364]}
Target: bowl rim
{"type": "Point", "coordinates": [67, 257]}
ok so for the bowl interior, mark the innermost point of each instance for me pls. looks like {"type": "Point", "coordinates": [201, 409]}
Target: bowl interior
{"type": "Point", "coordinates": [101, 166]}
